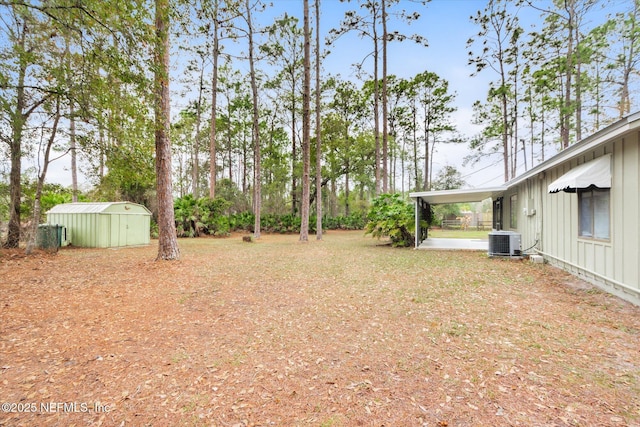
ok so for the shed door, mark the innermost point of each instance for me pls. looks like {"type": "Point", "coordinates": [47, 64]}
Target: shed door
{"type": "Point", "coordinates": [135, 232]}
{"type": "Point", "coordinates": [128, 230]}
{"type": "Point", "coordinates": [124, 231]}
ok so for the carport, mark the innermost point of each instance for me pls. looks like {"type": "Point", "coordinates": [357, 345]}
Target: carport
{"type": "Point", "coordinates": [423, 201]}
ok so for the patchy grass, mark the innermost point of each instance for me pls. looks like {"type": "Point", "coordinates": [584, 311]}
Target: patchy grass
{"type": "Point", "coordinates": [334, 333]}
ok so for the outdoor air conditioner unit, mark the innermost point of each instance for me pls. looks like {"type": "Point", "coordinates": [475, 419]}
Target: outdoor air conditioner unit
{"type": "Point", "coordinates": [504, 243]}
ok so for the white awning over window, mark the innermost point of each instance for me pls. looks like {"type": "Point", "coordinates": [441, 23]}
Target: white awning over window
{"type": "Point", "coordinates": [596, 173]}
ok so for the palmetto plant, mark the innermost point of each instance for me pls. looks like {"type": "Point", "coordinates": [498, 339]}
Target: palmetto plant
{"type": "Point", "coordinates": [392, 217]}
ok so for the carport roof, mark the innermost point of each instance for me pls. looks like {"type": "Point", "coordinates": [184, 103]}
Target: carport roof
{"type": "Point", "coordinates": [458, 196]}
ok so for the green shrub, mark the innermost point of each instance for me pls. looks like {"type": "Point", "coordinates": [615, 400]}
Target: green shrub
{"type": "Point", "coordinates": [242, 221]}
{"type": "Point", "coordinates": [390, 216]}
{"type": "Point", "coordinates": [195, 217]}
{"type": "Point", "coordinates": [201, 216]}
{"type": "Point", "coordinates": [213, 218]}
{"type": "Point", "coordinates": [354, 221]}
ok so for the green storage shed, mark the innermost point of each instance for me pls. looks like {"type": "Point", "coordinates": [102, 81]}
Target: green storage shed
{"type": "Point", "coordinates": [103, 225]}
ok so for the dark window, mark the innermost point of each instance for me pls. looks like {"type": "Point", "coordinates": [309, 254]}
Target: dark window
{"type": "Point", "coordinates": [594, 213]}
{"type": "Point", "coordinates": [514, 211]}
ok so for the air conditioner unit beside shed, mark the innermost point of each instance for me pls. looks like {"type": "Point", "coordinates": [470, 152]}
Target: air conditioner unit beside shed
{"type": "Point", "coordinates": [505, 243]}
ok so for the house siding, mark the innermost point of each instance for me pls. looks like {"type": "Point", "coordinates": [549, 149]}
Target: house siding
{"type": "Point", "coordinates": [553, 229]}
{"type": "Point", "coordinates": [626, 173]}
{"type": "Point", "coordinates": [556, 221]}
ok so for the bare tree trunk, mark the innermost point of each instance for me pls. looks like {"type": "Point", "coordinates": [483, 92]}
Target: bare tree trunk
{"type": "Point", "coordinates": [229, 145]}
{"type": "Point", "coordinates": [294, 151]}
{"type": "Point", "coordinates": [385, 132]}
{"type": "Point", "coordinates": [332, 198]}
{"type": "Point", "coordinates": [415, 149]}
{"type": "Point", "coordinates": [17, 127]}
{"type": "Point", "coordinates": [578, 91]}
{"type": "Point", "coordinates": [214, 116]}
{"type": "Point", "coordinates": [167, 238]}
{"type": "Point", "coordinates": [565, 120]}
{"type": "Point", "coordinates": [402, 165]}
{"type": "Point", "coordinates": [376, 107]}
{"type": "Point", "coordinates": [427, 156]}
{"type": "Point", "coordinates": [31, 244]}
{"type": "Point", "coordinates": [257, 191]}
{"type": "Point", "coordinates": [625, 96]}
{"type": "Point", "coordinates": [318, 131]}
{"type": "Point", "coordinates": [195, 166]}
{"type": "Point", "coordinates": [72, 127]}
{"type": "Point", "coordinates": [306, 129]}
{"type": "Point", "coordinates": [101, 164]}
{"type": "Point", "coordinates": [72, 148]}
{"type": "Point", "coordinates": [13, 235]}
{"type": "Point", "coordinates": [346, 193]}
{"type": "Point", "coordinates": [245, 158]}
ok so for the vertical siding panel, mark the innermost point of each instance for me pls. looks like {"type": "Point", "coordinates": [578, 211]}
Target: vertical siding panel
{"type": "Point", "coordinates": [86, 230]}
{"type": "Point", "coordinates": [550, 220]}
{"type": "Point", "coordinates": [563, 217]}
{"type": "Point", "coordinates": [91, 230]}
{"type": "Point", "coordinates": [571, 230]}
{"type": "Point", "coordinates": [599, 258]}
{"type": "Point", "coordinates": [82, 227]}
{"type": "Point", "coordinates": [629, 204]}
{"type": "Point", "coordinates": [115, 230]}
{"type": "Point", "coordinates": [619, 205]}
{"type": "Point", "coordinates": [588, 256]}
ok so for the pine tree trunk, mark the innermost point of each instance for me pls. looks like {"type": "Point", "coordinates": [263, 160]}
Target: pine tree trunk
{"type": "Point", "coordinates": [306, 129]}
{"type": "Point", "coordinates": [167, 237]}
{"type": "Point", "coordinates": [17, 127]}
{"type": "Point", "coordinates": [257, 191]}
{"type": "Point", "coordinates": [565, 112]}
{"type": "Point", "coordinates": [214, 105]}
{"type": "Point", "coordinates": [294, 152]}
{"type": "Point", "coordinates": [195, 161]}
{"type": "Point", "coordinates": [72, 148]}
{"type": "Point", "coordinates": [376, 108]}
{"type": "Point", "coordinates": [31, 244]}
{"type": "Point", "coordinates": [385, 132]}
{"type": "Point", "coordinates": [318, 131]}
{"type": "Point", "coordinates": [72, 127]}
{"type": "Point", "coordinates": [578, 106]}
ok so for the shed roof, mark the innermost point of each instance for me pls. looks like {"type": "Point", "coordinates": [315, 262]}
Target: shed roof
{"type": "Point", "coordinates": [100, 207]}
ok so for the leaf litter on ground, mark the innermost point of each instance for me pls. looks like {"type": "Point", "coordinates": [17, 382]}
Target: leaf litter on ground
{"type": "Point", "coordinates": [339, 332]}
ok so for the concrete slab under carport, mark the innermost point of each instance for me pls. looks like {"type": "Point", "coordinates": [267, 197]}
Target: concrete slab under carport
{"type": "Point", "coordinates": [455, 244]}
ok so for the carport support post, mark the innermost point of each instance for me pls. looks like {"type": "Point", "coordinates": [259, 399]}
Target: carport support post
{"type": "Point", "coordinates": [417, 215]}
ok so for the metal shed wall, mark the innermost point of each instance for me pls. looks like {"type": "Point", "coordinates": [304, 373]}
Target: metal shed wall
{"type": "Point", "coordinates": [103, 225]}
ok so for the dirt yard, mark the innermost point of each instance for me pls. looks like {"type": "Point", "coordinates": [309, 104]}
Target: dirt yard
{"type": "Point", "coordinates": [343, 332]}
